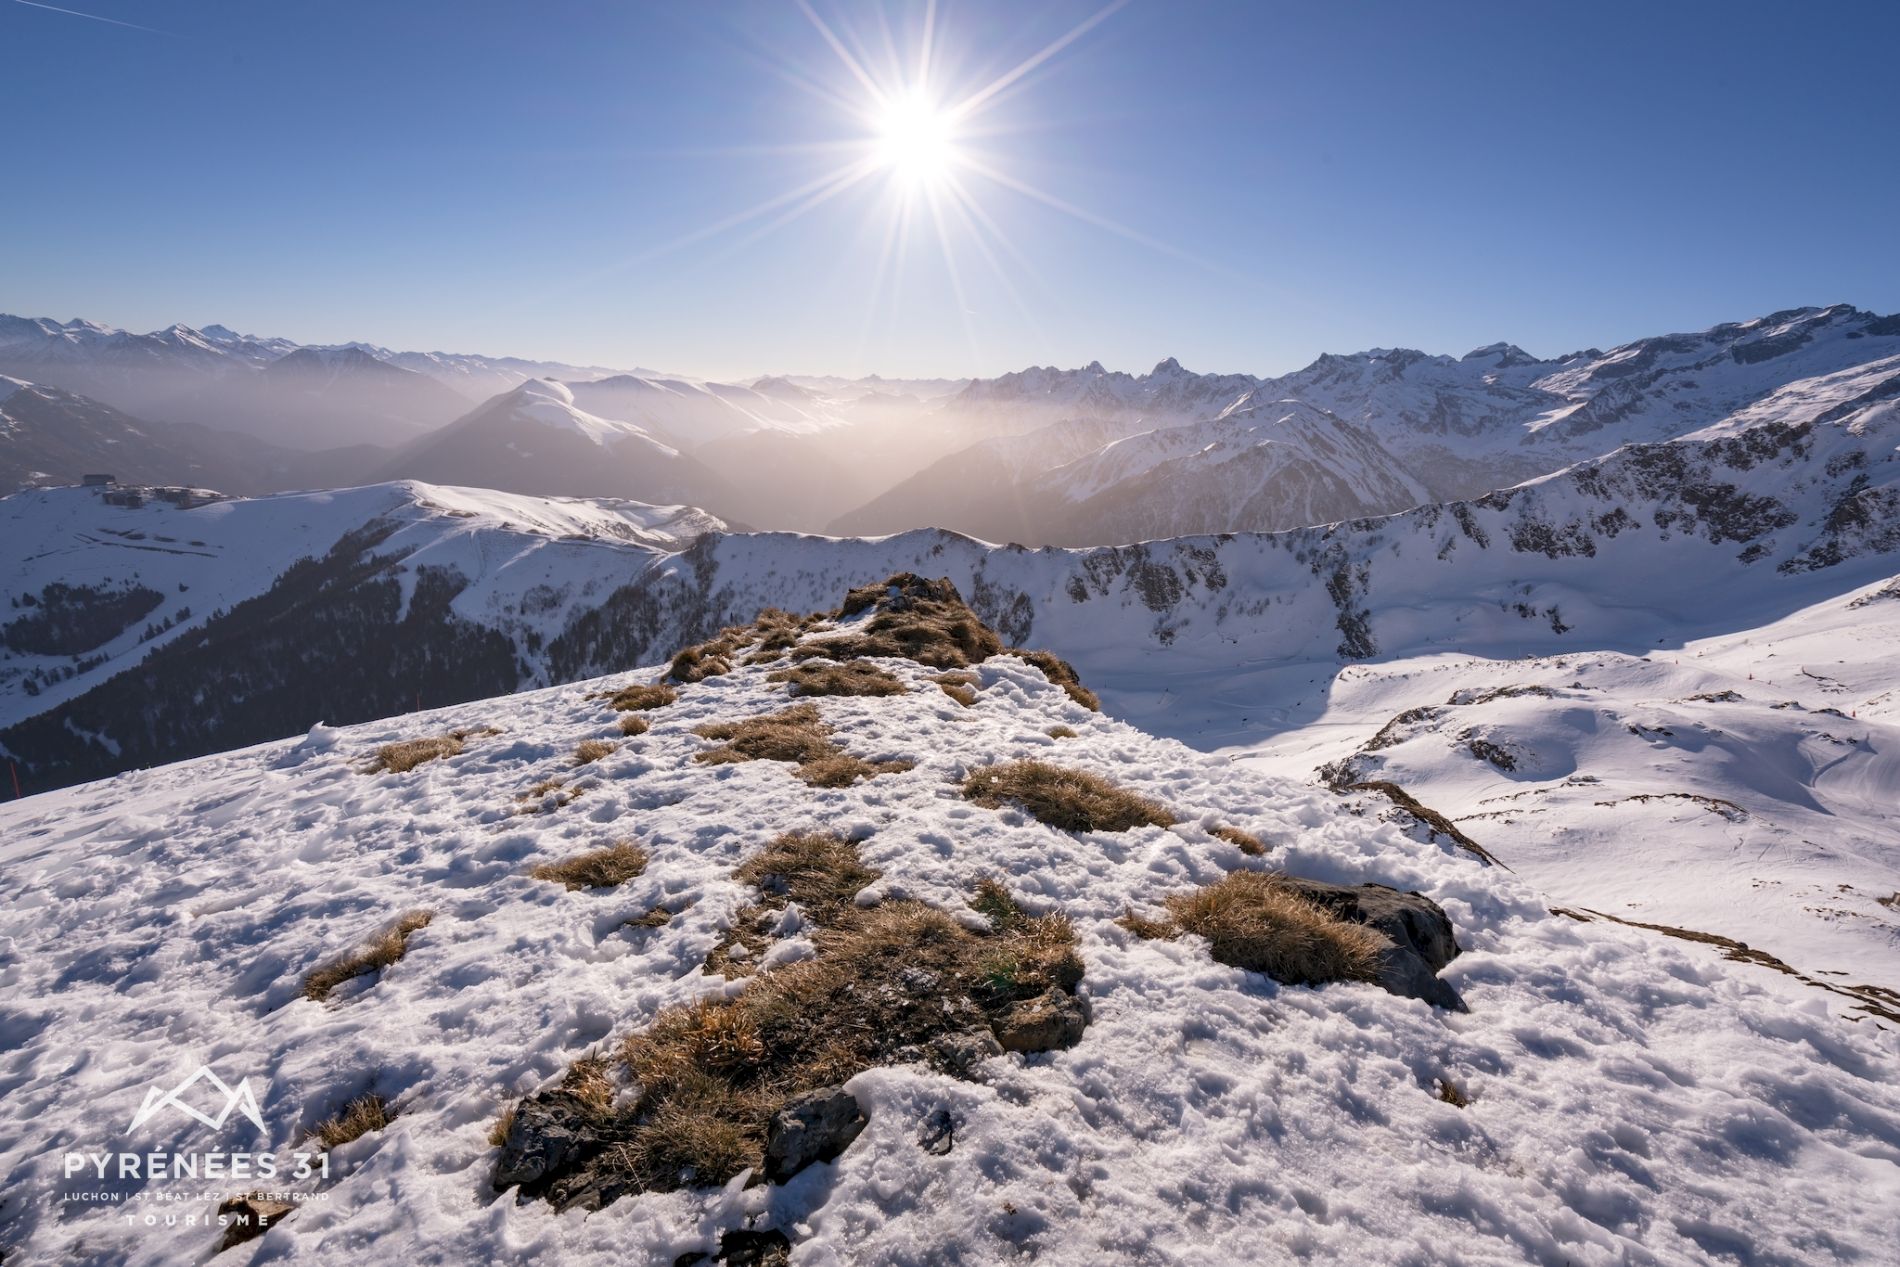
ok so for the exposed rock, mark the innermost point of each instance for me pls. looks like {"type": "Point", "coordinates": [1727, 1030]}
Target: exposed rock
{"type": "Point", "coordinates": [959, 1054]}
{"type": "Point", "coordinates": [554, 1134]}
{"type": "Point", "coordinates": [1043, 1023]}
{"type": "Point", "coordinates": [249, 1217]}
{"type": "Point", "coordinates": [742, 1248]}
{"type": "Point", "coordinates": [939, 1135]}
{"type": "Point", "coordinates": [814, 1127]}
{"type": "Point", "coordinates": [1418, 928]}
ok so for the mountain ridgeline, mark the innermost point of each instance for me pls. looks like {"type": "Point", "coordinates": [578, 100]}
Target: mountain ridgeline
{"type": "Point", "coordinates": [1789, 500]}
{"type": "Point", "coordinates": [1043, 456]}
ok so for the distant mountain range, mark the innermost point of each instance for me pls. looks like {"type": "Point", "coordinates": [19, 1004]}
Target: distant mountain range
{"type": "Point", "coordinates": [272, 389]}
{"type": "Point", "coordinates": [1793, 495]}
{"type": "Point", "coordinates": [1375, 432]}
{"type": "Point", "coordinates": [1042, 456]}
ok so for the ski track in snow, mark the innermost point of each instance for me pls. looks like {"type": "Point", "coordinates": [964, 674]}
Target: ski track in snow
{"type": "Point", "coordinates": [1634, 1100]}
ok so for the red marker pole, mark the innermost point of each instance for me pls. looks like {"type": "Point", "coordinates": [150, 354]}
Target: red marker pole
{"type": "Point", "coordinates": [14, 766]}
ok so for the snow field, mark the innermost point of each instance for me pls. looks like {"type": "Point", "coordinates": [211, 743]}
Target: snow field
{"type": "Point", "coordinates": [1632, 1100]}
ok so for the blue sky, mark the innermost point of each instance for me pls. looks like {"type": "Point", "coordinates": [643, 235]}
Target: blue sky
{"type": "Point", "coordinates": [1256, 182]}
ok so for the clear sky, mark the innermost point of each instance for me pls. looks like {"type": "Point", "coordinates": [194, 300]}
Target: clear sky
{"type": "Point", "coordinates": [1240, 185]}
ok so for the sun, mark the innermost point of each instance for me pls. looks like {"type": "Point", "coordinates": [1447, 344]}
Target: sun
{"type": "Point", "coordinates": [916, 139]}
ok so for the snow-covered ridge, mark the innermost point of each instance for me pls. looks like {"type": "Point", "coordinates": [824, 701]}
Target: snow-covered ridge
{"type": "Point", "coordinates": [1608, 1076]}
{"type": "Point", "coordinates": [1685, 539]}
{"type": "Point", "coordinates": [530, 563]}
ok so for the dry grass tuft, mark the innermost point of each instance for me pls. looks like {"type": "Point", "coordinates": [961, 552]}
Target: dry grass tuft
{"type": "Point", "coordinates": [548, 794]}
{"type": "Point", "coordinates": [591, 750]}
{"type": "Point", "coordinates": [359, 1117]}
{"type": "Point", "coordinates": [498, 1133]}
{"type": "Point", "coordinates": [1246, 842]}
{"type": "Point", "coordinates": [820, 871]}
{"type": "Point", "coordinates": [1453, 1094]}
{"type": "Point", "coordinates": [1148, 929]}
{"type": "Point", "coordinates": [797, 735]}
{"type": "Point", "coordinates": [701, 661]}
{"type": "Point", "coordinates": [633, 724]}
{"type": "Point", "coordinates": [960, 687]}
{"type": "Point", "coordinates": [641, 697]}
{"type": "Point", "coordinates": [897, 982]}
{"type": "Point", "coordinates": [658, 917]}
{"type": "Point", "coordinates": [994, 902]}
{"type": "Point", "coordinates": [1062, 673]}
{"type": "Point", "coordinates": [591, 1078]}
{"type": "Point", "coordinates": [1070, 800]}
{"type": "Point", "coordinates": [853, 677]}
{"type": "Point", "coordinates": [1060, 732]}
{"type": "Point", "coordinates": [596, 869]}
{"type": "Point", "coordinates": [915, 619]}
{"type": "Point", "coordinates": [389, 946]}
{"type": "Point", "coordinates": [889, 983]}
{"type": "Point", "coordinates": [1256, 922]}
{"type": "Point", "coordinates": [400, 758]}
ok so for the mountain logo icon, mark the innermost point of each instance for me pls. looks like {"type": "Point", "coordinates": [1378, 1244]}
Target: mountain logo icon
{"type": "Point", "coordinates": [239, 1100]}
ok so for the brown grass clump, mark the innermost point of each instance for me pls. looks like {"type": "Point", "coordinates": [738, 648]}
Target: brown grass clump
{"type": "Point", "coordinates": [1453, 1094]}
{"type": "Point", "coordinates": [591, 750]}
{"type": "Point", "coordinates": [591, 1078]}
{"type": "Point", "coordinates": [400, 758]}
{"type": "Point", "coordinates": [797, 735]}
{"type": "Point", "coordinates": [359, 1117]}
{"type": "Point", "coordinates": [389, 946]}
{"type": "Point", "coordinates": [498, 1133]}
{"type": "Point", "coordinates": [1070, 800]}
{"type": "Point", "coordinates": [658, 917]}
{"type": "Point", "coordinates": [1062, 673]}
{"type": "Point", "coordinates": [596, 869]}
{"type": "Point", "coordinates": [1256, 922]}
{"type": "Point", "coordinates": [548, 794]}
{"type": "Point", "coordinates": [633, 724]}
{"type": "Point", "coordinates": [820, 871]}
{"type": "Point", "coordinates": [1148, 929]}
{"type": "Point", "coordinates": [960, 687]}
{"type": "Point", "coordinates": [1060, 732]}
{"type": "Point", "coordinates": [916, 619]}
{"type": "Point", "coordinates": [853, 677]}
{"type": "Point", "coordinates": [1246, 842]}
{"type": "Point", "coordinates": [895, 982]}
{"type": "Point", "coordinates": [641, 696]}
{"type": "Point", "coordinates": [701, 661]}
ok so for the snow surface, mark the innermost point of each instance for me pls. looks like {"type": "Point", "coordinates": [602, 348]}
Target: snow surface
{"type": "Point", "coordinates": [1633, 1100]}
{"type": "Point", "coordinates": [551, 404]}
{"type": "Point", "coordinates": [1741, 784]}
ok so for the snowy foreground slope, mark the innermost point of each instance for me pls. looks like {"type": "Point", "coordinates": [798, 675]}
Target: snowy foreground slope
{"type": "Point", "coordinates": [1631, 1099]}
